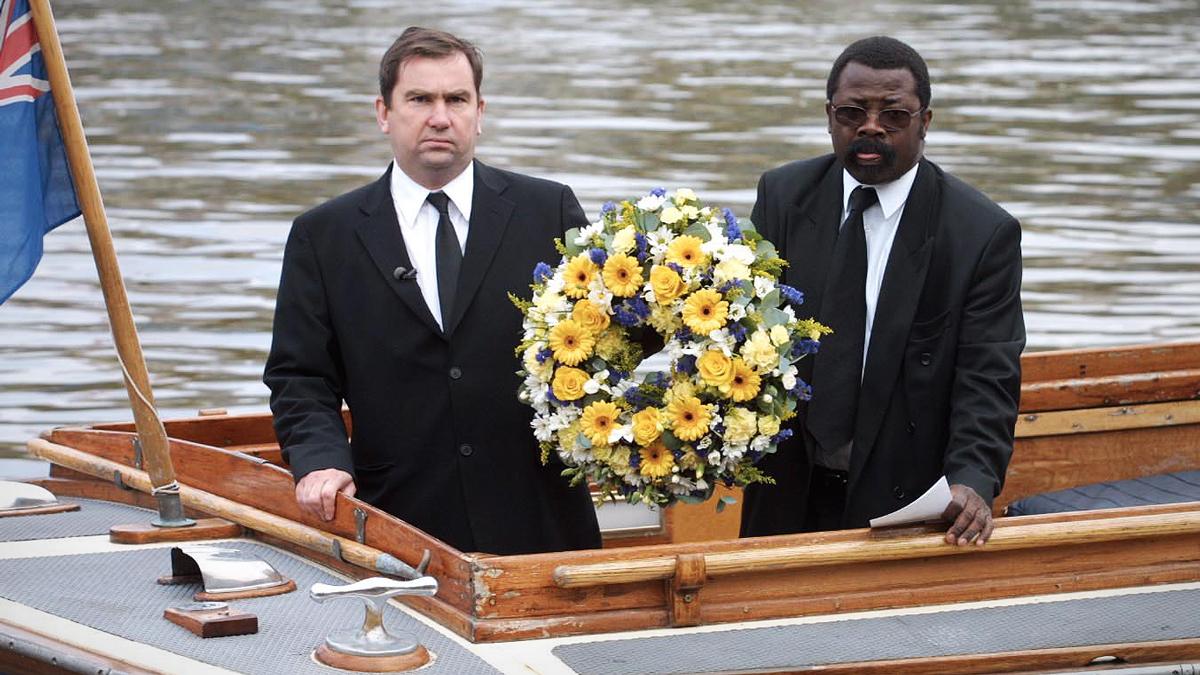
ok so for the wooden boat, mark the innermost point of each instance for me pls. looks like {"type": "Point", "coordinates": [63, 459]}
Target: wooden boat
{"type": "Point", "coordinates": [1086, 416]}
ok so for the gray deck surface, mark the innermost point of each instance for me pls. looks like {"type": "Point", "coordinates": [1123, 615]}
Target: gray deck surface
{"type": "Point", "coordinates": [1142, 617]}
{"type": "Point", "coordinates": [117, 593]}
{"type": "Point", "coordinates": [93, 517]}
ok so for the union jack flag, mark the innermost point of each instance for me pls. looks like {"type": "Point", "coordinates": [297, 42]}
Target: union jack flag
{"type": "Point", "coordinates": [36, 191]}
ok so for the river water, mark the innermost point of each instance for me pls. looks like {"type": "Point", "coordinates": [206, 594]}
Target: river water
{"type": "Point", "coordinates": [212, 124]}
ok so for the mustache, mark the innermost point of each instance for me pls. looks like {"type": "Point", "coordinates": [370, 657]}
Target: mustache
{"type": "Point", "coordinates": [871, 145]}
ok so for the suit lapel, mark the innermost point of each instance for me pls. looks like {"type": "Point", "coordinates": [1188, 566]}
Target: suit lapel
{"type": "Point", "coordinates": [490, 213]}
{"type": "Point", "coordinates": [903, 281]}
{"type": "Point", "coordinates": [380, 233]}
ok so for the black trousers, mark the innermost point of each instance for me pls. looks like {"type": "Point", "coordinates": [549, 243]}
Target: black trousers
{"type": "Point", "coordinates": [826, 500]}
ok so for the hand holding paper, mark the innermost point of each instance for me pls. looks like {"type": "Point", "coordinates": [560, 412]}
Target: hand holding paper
{"type": "Point", "coordinates": [930, 506]}
{"type": "Point", "coordinates": [971, 515]}
{"type": "Point", "coordinates": [957, 504]}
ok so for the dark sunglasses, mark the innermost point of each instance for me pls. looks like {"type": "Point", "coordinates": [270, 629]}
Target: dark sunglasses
{"type": "Point", "coordinates": [892, 119]}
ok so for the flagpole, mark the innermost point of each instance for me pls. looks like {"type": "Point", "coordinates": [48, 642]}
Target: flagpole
{"type": "Point", "coordinates": [150, 431]}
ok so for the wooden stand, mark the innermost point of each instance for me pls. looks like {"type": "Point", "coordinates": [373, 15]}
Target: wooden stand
{"type": "Point", "coordinates": [373, 664]}
{"type": "Point", "coordinates": [216, 621]}
{"type": "Point", "coordinates": [145, 533]}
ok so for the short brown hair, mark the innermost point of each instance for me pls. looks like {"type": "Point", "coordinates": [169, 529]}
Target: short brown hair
{"type": "Point", "coordinates": [427, 42]}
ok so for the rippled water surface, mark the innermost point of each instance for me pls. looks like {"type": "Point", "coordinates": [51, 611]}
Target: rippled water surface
{"type": "Point", "coordinates": [212, 124]}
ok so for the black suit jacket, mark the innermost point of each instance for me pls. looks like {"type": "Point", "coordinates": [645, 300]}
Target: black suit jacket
{"type": "Point", "coordinates": [439, 438]}
{"type": "Point", "coordinates": [942, 376]}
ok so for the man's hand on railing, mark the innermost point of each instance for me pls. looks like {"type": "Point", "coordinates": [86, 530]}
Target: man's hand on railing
{"type": "Point", "coordinates": [970, 515]}
{"type": "Point", "coordinates": [316, 493]}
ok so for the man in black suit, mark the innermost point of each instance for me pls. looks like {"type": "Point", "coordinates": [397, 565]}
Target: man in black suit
{"type": "Point", "coordinates": [919, 275]}
{"type": "Point", "coordinates": [393, 300]}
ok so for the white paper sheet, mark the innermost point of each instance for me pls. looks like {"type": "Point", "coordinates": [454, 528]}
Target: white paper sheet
{"type": "Point", "coordinates": [928, 506]}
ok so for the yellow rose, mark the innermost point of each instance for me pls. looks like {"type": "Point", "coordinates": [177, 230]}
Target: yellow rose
{"type": "Point", "coordinates": [568, 383]}
{"type": "Point", "coordinates": [646, 427]}
{"type": "Point", "coordinates": [760, 352]}
{"type": "Point", "coordinates": [666, 282]}
{"type": "Point", "coordinates": [684, 195]}
{"type": "Point", "coordinates": [715, 367]}
{"type": "Point", "coordinates": [768, 425]}
{"type": "Point", "coordinates": [731, 270]}
{"type": "Point", "coordinates": [670, 215]}
{"type": "Point", "coordinates": [618, 461]}
{"type": "Point", "coordinates": [625, 240]}
{"type": "Point", "coordinates": [739, 426]}
{"type": "Point", "coordinates": [590, 317]}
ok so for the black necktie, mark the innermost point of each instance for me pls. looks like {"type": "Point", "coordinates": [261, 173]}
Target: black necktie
{"type": "Point", "coordinates": [837, 370]}
{"type": "Point", "coordinates": [449, 255]}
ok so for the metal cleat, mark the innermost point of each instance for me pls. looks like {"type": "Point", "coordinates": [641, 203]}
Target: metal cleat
{"type": "Point", "coordinates": [372, 648]}
{"type": "Point", "coordinates": [227, 573]}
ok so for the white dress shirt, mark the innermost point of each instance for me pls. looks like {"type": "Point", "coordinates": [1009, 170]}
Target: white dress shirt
{"type": "Point", "coordinates": [418, 223]}
{"type": "Point", "coordinates": [881, 220]}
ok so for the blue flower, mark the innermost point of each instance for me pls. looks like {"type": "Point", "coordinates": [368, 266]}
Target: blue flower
{"type": "Point", "coordinates": [683, 334]}
{"type": "Point", "coordinates": [782, 436]}
{"type": "Point", "coordinates": [687, 364]}
{"type": "Point", "coordinates": [738, 331]}
{"type": "Point", "coordinates": [608, 207]}
{"type": "Point", "coordinates": [615, 375]}
{"type": "Point", "coordinates": [790, 294]}
{"type": "Point", "coordinates": [732, 231]}
{"type": "Point", "coordinates": [624, 316]}
{"type": "Point", "coordinates": [638, 306]}
{"type": "Point", "coordinates": [543, 355]}
{"type": "Point", "coordinates": [643, 246]}
{"type": "Point", "coordinates": [542, 272]}
{"type": "Point", "coordinates": [598, 255]}
{"type": "Point", "coordinates": [659, 192]}
{"type": "Point", "coordinates": [802, 391]}
{"type": "Point", "coordinates": [805, 346]}
{"type": "Point", "coordinates": [676, 266]}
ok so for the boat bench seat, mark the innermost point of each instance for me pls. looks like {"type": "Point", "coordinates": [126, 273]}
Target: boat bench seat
{"type": "Point", "coordinates": [1167, 488]}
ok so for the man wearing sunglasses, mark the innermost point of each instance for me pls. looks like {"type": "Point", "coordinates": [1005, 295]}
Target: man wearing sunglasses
{"type": "Point", "coordinates": [919, 275]}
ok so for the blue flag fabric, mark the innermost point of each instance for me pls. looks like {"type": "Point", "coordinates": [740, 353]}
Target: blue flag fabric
{"type": "Point", "coordinates": [36, 190]}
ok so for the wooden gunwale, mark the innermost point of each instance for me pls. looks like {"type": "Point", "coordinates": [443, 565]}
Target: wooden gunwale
{"type": "Point", "coordinates": [1011, 536]}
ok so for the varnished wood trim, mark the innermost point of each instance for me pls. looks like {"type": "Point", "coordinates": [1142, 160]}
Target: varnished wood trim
{"type": "Point", "coordinates": [1108, 419]}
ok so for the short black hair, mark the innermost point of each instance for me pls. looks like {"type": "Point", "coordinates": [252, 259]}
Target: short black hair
{"type": "Point", "coordinates": [428, 43]}
{"type": "Point", "coordinates": [882, 53]}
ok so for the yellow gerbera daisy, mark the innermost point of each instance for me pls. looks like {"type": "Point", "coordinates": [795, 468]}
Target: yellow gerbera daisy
{"type": "Point", "coordinates": [685, 251]}
{"type": "Point", "coordinates": [578, 276]}
{"type": "Point", "coordinates": [745, 383]}
{"type": "Point", "coordinates": [704, 311]}
{"type": "Point", "coordinates": [598, 420]}
{"type": "Point", "coordinates": [689, 418]}
{"type": "Point", "coordinates": [657, 461]}
{"type": "Point", "coordinates": [623, 275]}
{"type": "Point", "coordinates": [570, 343]}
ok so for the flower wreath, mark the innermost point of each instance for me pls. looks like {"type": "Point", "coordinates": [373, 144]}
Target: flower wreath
{"type": "Point", "coordinates": [664, 271]}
